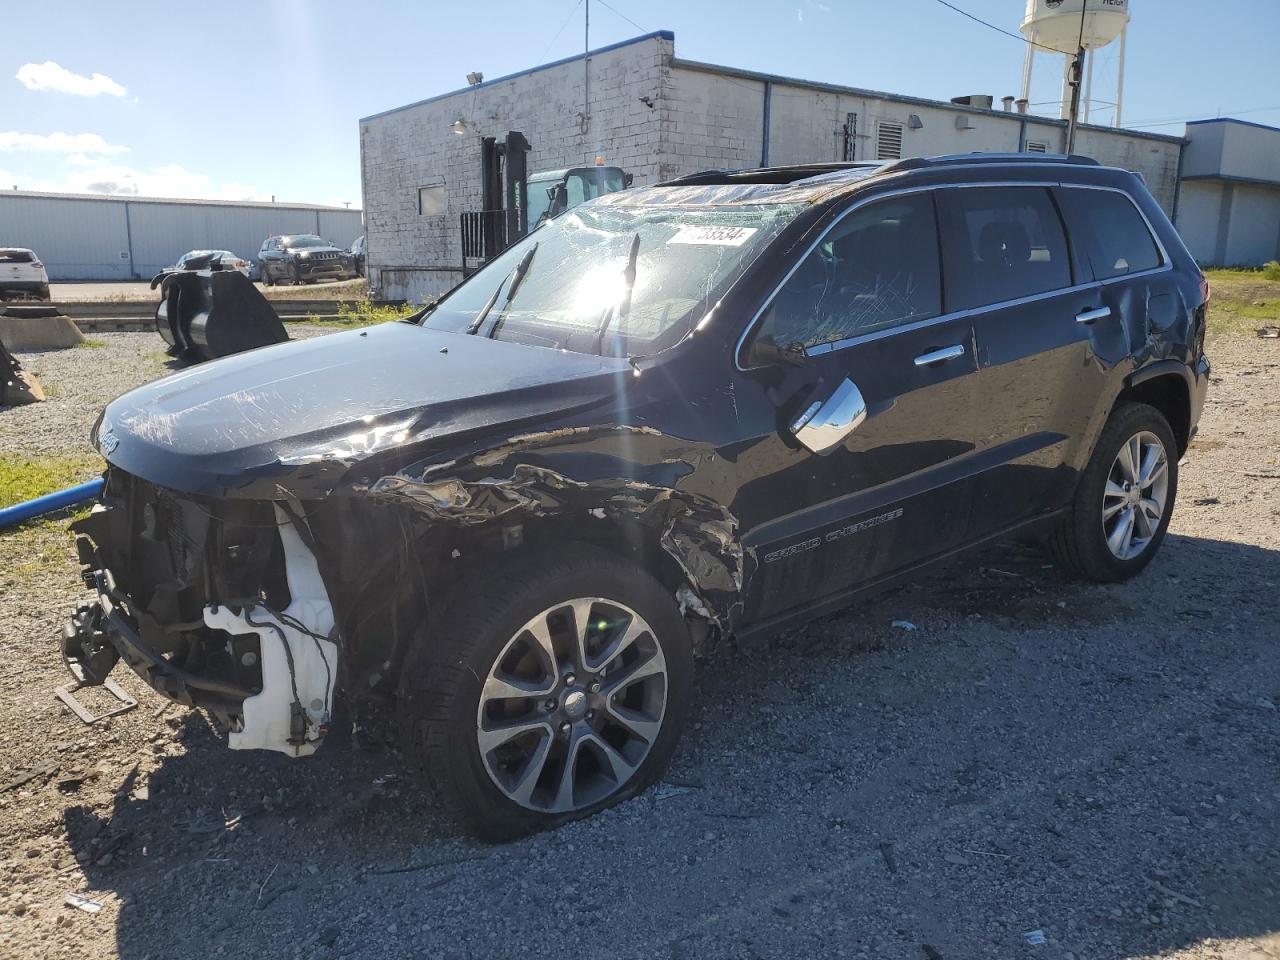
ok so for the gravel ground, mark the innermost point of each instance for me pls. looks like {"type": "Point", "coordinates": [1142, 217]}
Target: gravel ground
{"type": "Point", "coordinates": [1094, 767]}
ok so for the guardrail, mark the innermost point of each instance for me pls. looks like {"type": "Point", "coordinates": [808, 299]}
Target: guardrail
{"type": "Point", "coordinates": [104, 309]}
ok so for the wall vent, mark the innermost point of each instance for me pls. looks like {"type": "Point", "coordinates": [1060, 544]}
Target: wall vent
{"type": "Point", "coordinates": [888, 140]}
{"type": "Point", "coordinates": [1037, 146]}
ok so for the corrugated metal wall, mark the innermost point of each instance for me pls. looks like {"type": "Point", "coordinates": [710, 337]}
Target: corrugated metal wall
{"type": "Point", "coordinates": [82, 238]}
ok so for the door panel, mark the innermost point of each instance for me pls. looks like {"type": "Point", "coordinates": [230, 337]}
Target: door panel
{"type": "Point", "coordinates": [894, 492]}
{"type": "Point", "coordinates": [890, 485]}
{"type": "Point", "coordinates": [1038, 377]}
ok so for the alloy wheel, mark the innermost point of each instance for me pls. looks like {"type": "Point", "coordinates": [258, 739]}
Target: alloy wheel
{"type": "Point", "coordinates": [572, 705]}
{"type": "Point", "coordinates": [1135, 496]}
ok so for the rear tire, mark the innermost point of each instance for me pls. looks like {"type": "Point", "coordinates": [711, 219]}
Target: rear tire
{"type": "Point", "coordinates": [1121, 509]}
{"type": "Point", "coordinates": [511, 655]}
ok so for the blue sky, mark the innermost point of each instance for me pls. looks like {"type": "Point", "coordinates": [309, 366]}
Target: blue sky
{"type": "Point", "coordinates": [263, 99]}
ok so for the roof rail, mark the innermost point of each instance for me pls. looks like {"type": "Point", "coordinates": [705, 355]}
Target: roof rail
{"type": "Point", "coordinates": [781, 174]}
{"type": "Point", "coordinates": [922, 163]}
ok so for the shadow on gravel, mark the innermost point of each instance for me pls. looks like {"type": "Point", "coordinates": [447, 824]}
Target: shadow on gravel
{"type": "Point", "coordinates": [1098, 762]}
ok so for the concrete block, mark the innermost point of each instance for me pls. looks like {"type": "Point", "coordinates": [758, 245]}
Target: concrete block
{"type": "Point", "coordinates": [39, 333]}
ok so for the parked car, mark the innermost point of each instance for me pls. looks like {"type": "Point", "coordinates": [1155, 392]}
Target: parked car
{"type": "Point", "coordinates": [22, 275]}
{"type": "Point", "coordinates": [303, 258]}
{"type": "Point", "coordinates": [717, 406]}
{"type": "Point", "coordinates": [228, 260]}
{"type": "Point", "coordinates": [357, 256]}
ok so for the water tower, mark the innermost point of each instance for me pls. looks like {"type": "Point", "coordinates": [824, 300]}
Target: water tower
{"type": "Point", "coordinates": [1063, 26]}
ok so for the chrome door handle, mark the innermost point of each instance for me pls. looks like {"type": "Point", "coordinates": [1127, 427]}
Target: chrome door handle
{"type": "Point", "coordinates": [937, 356]}
{"type": "Point", "coordinates": [825, 423]}
{"type": "Point", "coordinates": [1097, 313]}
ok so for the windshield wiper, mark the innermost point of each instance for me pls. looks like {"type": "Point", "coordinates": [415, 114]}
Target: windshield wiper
{"type": "Point", "coordinates": [514, 278]}
{"type": "Point", "coordinates": [624, 306]}
{"type": "Point", "coordinates": [517, 278]}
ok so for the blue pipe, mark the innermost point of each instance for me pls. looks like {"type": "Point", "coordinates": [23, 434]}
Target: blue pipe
{"type": "Point", "coordinates": [10, 516]}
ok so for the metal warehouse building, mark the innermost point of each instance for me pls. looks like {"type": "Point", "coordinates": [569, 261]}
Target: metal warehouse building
{"type": "Point", "coordinates": [94, 237]}
{"type": "Point", "coordinates": [657, 116]}
{"type": "Point", "coordinates": [1229, 209]}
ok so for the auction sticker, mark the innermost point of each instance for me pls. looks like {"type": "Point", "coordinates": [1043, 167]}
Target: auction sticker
{"type": "Point", "coordinates": [715, 236]}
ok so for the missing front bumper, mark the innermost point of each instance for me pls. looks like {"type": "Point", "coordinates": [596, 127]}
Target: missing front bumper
{"type": "Point", "coordinates": [296, 651]}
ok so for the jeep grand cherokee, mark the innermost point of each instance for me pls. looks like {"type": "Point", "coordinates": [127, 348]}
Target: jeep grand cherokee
{"type": "Point", "coordinates": [722, 404]}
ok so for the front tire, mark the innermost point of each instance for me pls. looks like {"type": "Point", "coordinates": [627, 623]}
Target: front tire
{"type": "Point", "coordinates": [1124, 500]}
{"type": "Point", "coordinates": [295, 275]}
{"type": "Point", "coordinates": [557, 689]}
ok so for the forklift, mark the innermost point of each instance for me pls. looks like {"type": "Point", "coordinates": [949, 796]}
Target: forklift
{"type": "Point", "coordinates": [515, 201]}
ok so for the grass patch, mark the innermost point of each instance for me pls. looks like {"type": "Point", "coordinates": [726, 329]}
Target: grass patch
{"type": "Point", "coordinates": [359, 313]}
{"type": "Point", "coordinates": [1241, 301]}
{"type": "Point", "coordinates": [24, 479]}
{"type": "Point", "coordinates": [88, 343]}
{"type": "Point", "coordinates": [362, 313]}
{"type": "Point", "coordinates": [340, 290]}
{"type": "Point", "coordinates": [40, 550]}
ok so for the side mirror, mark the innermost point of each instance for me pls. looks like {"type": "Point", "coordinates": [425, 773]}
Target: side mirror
{"type": "Point", "coordinates": [766, 350]}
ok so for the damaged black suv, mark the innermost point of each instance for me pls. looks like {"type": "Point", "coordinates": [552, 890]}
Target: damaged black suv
{"type": "Point", "coordinates": [715, 406]}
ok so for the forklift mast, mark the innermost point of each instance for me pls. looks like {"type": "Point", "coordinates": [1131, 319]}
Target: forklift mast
{"type": "Point", "coordinates": [504, 216]}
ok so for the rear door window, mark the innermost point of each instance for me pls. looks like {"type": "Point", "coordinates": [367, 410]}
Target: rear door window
{"type": "Point", "coordinates": [1005, 243]}
{"type": "Point", "coordinates": [1115, 237]}
{"type": "Point", "coordinates": [876, 268]}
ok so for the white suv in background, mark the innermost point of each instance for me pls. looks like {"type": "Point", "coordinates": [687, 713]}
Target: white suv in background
{"type": "Point", "coordinates": [22, 275]}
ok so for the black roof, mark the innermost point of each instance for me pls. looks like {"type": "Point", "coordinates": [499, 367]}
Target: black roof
{"type": "Point", "coordinates": [818, 182]}
{"type": "Point", "coordinates": [798, 172]}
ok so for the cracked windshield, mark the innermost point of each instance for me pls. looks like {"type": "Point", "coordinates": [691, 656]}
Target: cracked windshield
{"type": "Point", "coordinates": [613, 279]}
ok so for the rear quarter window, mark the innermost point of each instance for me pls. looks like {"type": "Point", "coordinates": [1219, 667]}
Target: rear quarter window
{"type": "Point", "coordinates": [1116, 239]}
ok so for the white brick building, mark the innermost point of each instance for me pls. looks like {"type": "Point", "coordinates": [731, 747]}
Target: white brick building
{"type": "Point", "coordinates": [658, 116]}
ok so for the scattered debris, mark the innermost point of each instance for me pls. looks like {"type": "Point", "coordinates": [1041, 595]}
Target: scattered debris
{"type": "Point", "coordinates": [956, 859]}
{"type": "Point", "coordinates": [265, 882]}
{"type": "Point", "coordinates": [930, 951]}
{"type": "Point", "coordinates": [1262, 475]}
{"type": "Point", "coordinates": [1173, 894]}
{"type": "Point", "coordinates": [40, 770]}
{"type": "Point", "coordinates": [415, 867]}
{"type": "Point", "coordinates": [886, 851]}
{"type": "Point", "coordinates": [1206, 501]}
{"type": "Point", "coordinates": [1196, 612]}
{"type": "Point", "coordinates": [904, 625]}
{"type": "Point", "coordinates": [666, 791]}
{"type": "Point", "coordinates": [989, 853]}
{"type": "Point", "coordinates": [1271, 332]}
{"type": "Point", "coordinates": [1035, 937]}
{"type": "Point", "coordinates": [82, 903]}
{"type": "Point", "coordinates": [16, 386]}
{"type": "Point", "coordinates": [1005, 573]}
{"type": "Point", "coordinates": [67, 696]}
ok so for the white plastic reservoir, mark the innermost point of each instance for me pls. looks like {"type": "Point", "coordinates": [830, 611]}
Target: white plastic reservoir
{"type": "Point", "coordinates": [1056, 23]}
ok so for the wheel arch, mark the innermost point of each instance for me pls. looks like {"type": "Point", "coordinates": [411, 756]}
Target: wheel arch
{"type": "Point", "coordinates": [1164, 385]}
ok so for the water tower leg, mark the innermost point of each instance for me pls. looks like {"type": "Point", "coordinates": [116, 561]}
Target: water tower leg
{"type": "Point", "coordinates": [1027, 63]}
{"type": "Point", "coordinates": [1120, 75]}
{"type": "Point", "coordinates": [1088, 86]}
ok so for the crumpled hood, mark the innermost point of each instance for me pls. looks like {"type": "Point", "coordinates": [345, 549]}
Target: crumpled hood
{"type": "Point", "coordinates": [298, 416]}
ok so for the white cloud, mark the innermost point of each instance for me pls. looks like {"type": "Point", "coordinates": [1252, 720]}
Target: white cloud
{"type": "Point", "coordinates": [82, 143]}
{"type": "Point", "coordinates": [170, 180]}
{"type": "Point", "coordinates": [52, 76]}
